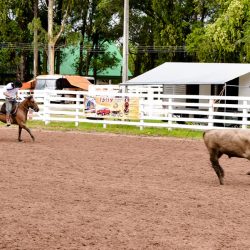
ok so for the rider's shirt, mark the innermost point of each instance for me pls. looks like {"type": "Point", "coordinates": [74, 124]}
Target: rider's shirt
{"type": "Point", "coordinates": [12, 91]}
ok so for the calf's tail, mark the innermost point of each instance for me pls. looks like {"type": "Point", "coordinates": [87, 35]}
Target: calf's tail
{"type": "Point", "coordinates": [204, 133]}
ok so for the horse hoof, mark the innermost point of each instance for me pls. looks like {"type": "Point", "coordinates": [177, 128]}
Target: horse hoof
{"type": "Point", "coordinates": [221, 181]}
{"type": "Point", "coordinates": [248, 173]}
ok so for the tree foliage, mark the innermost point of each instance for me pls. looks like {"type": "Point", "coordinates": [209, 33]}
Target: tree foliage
{"type": "Point", "coordinates": [97, 27]}
{"type": "Point", "coordinates": [159, 31]}
{"type": "Point", "coordinates": [227, 38]}
{"type": "Point", "coordinates": [14, 19]}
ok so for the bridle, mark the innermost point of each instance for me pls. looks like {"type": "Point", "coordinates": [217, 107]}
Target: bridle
{"type": "Point", "coordinates": [26, 107]}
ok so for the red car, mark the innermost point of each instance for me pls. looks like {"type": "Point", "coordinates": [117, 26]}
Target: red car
{"type": "Point", "coordinates": [103, 111]}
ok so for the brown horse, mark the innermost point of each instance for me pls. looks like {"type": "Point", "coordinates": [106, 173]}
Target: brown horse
{"type": "Point", "coordinates": [20, 115]}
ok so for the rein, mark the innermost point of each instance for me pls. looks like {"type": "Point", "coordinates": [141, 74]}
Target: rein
{"type": "Point", "coordinates": [27, 104]}
{"type": "Point", "coordinates": [21, 105]}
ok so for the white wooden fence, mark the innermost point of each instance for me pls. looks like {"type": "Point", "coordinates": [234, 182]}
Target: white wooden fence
{"type": "Point", "coordinates": [156, 110]}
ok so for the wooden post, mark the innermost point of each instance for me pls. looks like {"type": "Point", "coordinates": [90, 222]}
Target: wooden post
{"type": "Point", "coordinates": [46, 115]}
{"type": "Point", "coordinates": [211, 111]}
{"type": "Point", "coordinates": [244, 117]}
{"type": "Point", "coordinates": [77, 109]}
{"type": "Point", "coordinates": [141, 114]}
{"type": "Point", "coordinates": [170, 115]}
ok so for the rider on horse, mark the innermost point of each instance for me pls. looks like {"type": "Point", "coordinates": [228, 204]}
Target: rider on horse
{"type": "Point", "coordinates": [11, 91]}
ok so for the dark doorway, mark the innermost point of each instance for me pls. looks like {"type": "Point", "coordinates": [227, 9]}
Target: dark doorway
{"type": "Point", "coordinates": [230, 88]}
{"type": "Point", "coordinates": [217, 89]}
{"type": "Point", "coordinates": [192, 89]}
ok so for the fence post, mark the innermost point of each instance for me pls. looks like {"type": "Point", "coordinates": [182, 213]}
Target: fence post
{"type": "Point", "coordinates": [244, 116]}
{"type": "Point", "coordinates": [77, 109]}
{"type": "Point", "coordinates": [150, 100]}
{"type": "Point", "coordinates": [210, 113]}
{"type": "Point", "coordinates": [141, 114]}
{"type": "Point", "coordinates": [46, 115]}
{"type": "Point", "coordinates": [30, 114]}
{"type": "Point", "coordinates": [170, 114]}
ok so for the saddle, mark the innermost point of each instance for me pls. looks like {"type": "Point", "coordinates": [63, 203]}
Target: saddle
{"type": "Point", "coordinates": [13, 111]}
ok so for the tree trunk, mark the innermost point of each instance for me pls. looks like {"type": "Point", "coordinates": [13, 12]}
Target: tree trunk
{"type": "Point", "coordinates": [83, 30]}
{"type": "Point", "coordinates": [51, 44]}
{"type": "Point", "coordinates": [45, 62]}
{"type": "Point", "coordinates": [138, 64]}
{"type": "Point", "coordinates": [51, 58]}
{"type": "Point", "coordinates": [88, 59]}
{"type": "Point", "coordinates": [58, 61]}
{"type": "Point", "coordinates": [22, 67]}
{"type": "Point", "coordinates": [51, 38]}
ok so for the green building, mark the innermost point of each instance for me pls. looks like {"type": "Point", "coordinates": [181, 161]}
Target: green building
{"type": "Point", "coordinates": [110, 75]}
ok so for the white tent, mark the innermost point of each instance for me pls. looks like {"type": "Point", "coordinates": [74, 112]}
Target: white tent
{"type": "Point", "coordinates": [176, 73]}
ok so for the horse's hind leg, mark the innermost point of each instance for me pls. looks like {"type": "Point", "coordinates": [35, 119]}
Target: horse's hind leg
{"type": "Point", "coordinates": [27, 129]}
{"type": "Point", "coordinates": [214, 158]}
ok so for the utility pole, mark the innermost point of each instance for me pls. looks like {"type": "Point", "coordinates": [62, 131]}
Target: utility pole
{"type": "Point", "coordinates": [35, 41]}
{"type": "Point", "coordinates": [125, 41]}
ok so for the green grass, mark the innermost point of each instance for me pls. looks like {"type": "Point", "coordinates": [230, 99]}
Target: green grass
{"type": "Point", "coordinates": [118, 129]}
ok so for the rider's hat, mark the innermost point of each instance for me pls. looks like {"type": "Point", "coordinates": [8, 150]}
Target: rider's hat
{"type": "Point", "coordinates": [18, 84]}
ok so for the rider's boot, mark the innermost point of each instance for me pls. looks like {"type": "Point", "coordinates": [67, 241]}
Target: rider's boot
{"type": "Point", "coordinates": [8, 120]}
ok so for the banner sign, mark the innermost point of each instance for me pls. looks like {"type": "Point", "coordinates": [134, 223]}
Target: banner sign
{"type": "Point", "coordinates": [112, 107]}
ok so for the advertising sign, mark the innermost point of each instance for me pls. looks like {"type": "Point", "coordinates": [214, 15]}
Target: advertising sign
{"type": "Point", "coordinates": [112, 107]}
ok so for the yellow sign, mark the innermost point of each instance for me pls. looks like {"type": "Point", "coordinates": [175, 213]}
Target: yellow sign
{"type": "Point", "coordinates": [112, 107]}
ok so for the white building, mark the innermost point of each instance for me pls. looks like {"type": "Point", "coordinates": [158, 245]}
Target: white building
{"type": "Point", "coordinates": [230, 79]}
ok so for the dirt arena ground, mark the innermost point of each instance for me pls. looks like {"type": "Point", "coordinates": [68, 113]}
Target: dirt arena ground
{"type": "Point", "coordinates": [73, 190]}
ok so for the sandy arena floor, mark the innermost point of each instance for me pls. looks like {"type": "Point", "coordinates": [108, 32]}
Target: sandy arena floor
{"type": "Point", "coordinates": [97, 191]}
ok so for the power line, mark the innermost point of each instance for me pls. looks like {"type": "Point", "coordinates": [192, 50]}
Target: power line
{"type": "Point", "coordinates": [89, 48]}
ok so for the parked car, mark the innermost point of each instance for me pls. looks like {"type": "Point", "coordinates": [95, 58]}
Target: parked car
{"type": "Point", "coordinates": [103, 111]}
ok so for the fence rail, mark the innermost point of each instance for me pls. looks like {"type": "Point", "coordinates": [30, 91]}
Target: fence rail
{"type": "Point", "coordinates": [155, 109]}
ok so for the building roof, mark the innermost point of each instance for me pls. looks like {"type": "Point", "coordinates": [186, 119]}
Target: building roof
{"type": "Point", "coordinates": [67, 67]}
{"type": "Point", "coordinates": [78, 81]}
{"type": "Point", "coordinates": [191, 73]}
{"type": "Point", "coordinates": [75, 81]}
{"type": "Point", "coordinates": [29, 85]}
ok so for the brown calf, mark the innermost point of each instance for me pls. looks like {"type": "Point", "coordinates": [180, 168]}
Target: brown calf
{"type": "Point", "coordinates": [232, 142]}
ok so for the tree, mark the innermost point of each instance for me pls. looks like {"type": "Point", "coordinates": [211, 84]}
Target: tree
{"type": "Point", "coordinates": [226, 38]}
{"type": "Point", "coordinates": [14, 18]}
{"type": "Point", "coordinates": [94, 21]}
{"type": "Point", "coordinates": [159, 30]}
{"type": "Point", "coordinates": [52, 39]}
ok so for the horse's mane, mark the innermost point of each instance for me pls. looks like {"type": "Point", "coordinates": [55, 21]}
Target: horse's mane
{"type": "Point", "coordinates": [25, 101]}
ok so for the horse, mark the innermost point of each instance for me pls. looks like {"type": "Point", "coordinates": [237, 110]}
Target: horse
{"type": "Point", "coordinates": [19, 117]}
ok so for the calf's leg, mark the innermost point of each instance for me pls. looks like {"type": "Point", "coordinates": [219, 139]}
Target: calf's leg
{"type": "Point", "coordinates": [214, 158]}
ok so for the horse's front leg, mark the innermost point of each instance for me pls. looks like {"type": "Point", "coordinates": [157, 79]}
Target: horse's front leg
{"type": "Point", "coordinates": [23, 126]}
{"type": "Point", "coordinates": [19, 133]}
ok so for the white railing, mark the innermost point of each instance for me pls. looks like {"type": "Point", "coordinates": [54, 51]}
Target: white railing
{"type": "Point", "coordinates": [157, 110]}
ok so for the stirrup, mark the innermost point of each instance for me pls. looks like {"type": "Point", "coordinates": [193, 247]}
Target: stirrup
{"type": "Point", "coordinates": [8, 123]}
